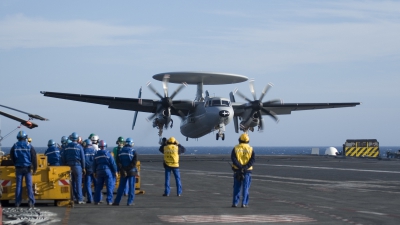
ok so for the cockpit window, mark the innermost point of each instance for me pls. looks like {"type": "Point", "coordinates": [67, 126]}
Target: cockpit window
{"type": "Point", "coordinates": [225, 103]}
{"type": "Point", "coordinates": [216, 102]}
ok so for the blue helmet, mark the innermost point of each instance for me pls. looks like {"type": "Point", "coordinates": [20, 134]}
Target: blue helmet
{"type": "Point", "coordinates": [22, 135]}
{"type": "Point", "coordinates": [129, 142]}
{"type": "Point", "coordinates": [64, 139]}
{"type": "Point", "coordinates": [86, 142]}
{"type": "Point", "coordinates": [69, 141]}
{"type": "Point", "coordinates": [51, 143]}
{"type": "Point", "coordinates": [102, 144]}
{"type": "Point", "coordinates": [74, 136]}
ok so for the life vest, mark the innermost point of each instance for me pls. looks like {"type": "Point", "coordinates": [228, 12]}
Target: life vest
{"type": "Point", "coordinates": [171, 155]}
{"type": "Point", "coordinates": [243, 154]}
{"type": "Point", "coordinates": [22, 154]}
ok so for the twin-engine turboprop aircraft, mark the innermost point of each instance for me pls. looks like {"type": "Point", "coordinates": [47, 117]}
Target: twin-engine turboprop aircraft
{"type": "Point", "coordinates": [204, 114]}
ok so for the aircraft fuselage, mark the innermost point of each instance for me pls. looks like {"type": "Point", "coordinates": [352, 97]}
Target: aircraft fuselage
{"type": "Point", "coordinates": [212, 114]}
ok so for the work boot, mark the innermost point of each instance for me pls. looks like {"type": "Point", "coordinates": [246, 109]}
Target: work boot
{"type": "Point", "coordinates": [115, 204]}
{"type": "Point", "coordinates": [31, 205]}
{"type": "Point", "coordinates": [131, 204]}
{"type": "Point", "coordinates": [234, 206]}
{"type": "Point", "coordinates": [165, 195]}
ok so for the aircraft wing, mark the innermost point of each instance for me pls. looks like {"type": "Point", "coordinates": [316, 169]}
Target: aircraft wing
{"type": "Point", "coordinates": [131, 104]}
{"type": "Point", "coordinates": [26, 123]}
{"type": "Point", "coordinates": [287, 108]}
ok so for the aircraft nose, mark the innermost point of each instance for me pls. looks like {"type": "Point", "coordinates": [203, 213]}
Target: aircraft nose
{"type": "Point", "coordinates": [224, 113]}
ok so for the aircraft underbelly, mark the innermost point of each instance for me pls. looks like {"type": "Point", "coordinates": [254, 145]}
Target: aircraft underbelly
{"type": "Point", "coordinates": [201, 125]}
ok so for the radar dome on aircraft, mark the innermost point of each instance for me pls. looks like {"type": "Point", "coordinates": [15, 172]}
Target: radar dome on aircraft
{"type": "Point", "coordinates": [331, 151]}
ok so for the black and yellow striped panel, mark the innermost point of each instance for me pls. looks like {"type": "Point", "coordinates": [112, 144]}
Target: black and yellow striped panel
{"type": "Point", "coordinates": [362, 151]}
{"type": "Point", "coordinates": [350, 151]}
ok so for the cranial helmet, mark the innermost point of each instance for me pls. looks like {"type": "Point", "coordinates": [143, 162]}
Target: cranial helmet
{"type": "Point", "coordinates": [51, 143]}
{"type": "Point", "coordinates": [86, 142]}
{"type": "Point", "coordinates": [64, 139]}
{"type": "Point", "coordinates": [244, 138]}
{"type": "Point", "coordinates": [172, 140]}
{"type": "Point", "coordinates": [102, 144]}
{"type": "Point", "coordinates": [129, 142]}
{"type": "Point", "coordinates": [95, 139]}
{"type": "Point", "coordinates": [74, 136]}
{"type": "Point", "coordinates": [120, 140]}
{"type": "Point", "coordinates": [21, 135]}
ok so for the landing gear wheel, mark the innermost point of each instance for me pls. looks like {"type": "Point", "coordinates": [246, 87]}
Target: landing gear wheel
{"type": "Point", "coordinates": [217, 136]}
{"type": "Point", "coordinates": [187, 138]}
{"type": "Point", "coordinates": [223, 137]}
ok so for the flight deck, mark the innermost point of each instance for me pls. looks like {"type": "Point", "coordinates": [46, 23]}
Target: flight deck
{"type": "Point", "coordinates": [301, 189]}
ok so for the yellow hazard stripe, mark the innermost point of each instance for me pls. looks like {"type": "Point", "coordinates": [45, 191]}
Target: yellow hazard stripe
{"type": "Point", "coordinates": [362, 151]}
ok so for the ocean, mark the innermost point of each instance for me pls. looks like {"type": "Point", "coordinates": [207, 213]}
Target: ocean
{"type": "Point", "coordinates": [227, 150]}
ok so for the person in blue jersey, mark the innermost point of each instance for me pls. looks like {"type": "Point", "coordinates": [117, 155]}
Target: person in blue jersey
{"type": "Point", "coordinates": [64, 143]}
{"type": "Point", "coordinates": [171, 150]}
{"type": "Point", "coordinates": [23, 156]}
{"type": "Point", "coordinates": [74, 157]}
{"type": "Point", "coordinates": [243, 158]}
{"type": "Point", "coordinates": [104, 168]}
{"type": "Point", "coordinates": [89, 177]}
{"type": "Point", "coordinates": [53, 154]}
{"type": "Point", "coordinates": [126, 161]}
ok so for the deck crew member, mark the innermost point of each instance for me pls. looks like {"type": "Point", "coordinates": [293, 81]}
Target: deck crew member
{"type": "Point", "coordinates": [104, 168]}
{"type": "Point", "coordinates": [171, 152]}
{"type": "Point", "coordinates": [95, 141]}
{"type": "Point", "coordinates": [120, 144]}
{"type": "Point", "coordinates": [23, 156]}
{"type": "Point", "coordinates": [64, 143]}
{"type": "Point", "coordinates": [53, 154]}
{"type": "Point", "coordinates": [74, 157]}
{"type": "Point", "coordinates": [89, 177]}
{"type": "Point", "coordinates": [243, 159]}
{"type": "Point", "coordinates": [126, 162]}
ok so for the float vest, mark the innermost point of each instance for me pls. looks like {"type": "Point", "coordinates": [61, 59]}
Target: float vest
{"type": "Point", "coordinates": [243, 153]}
{"type": "Point", "coordinates": [171, 155]}
{"type": "Point", "coordinates": [53, 155]}
{"type": "Point", "coordinates": [22, 154]}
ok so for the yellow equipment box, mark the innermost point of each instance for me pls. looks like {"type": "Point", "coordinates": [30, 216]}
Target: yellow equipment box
{"type": "Point", "coordinates": [49, 182]}
{"type": "Point", "coordinates": [361, 148]}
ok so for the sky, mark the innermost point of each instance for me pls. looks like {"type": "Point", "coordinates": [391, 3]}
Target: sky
{"type": "Point", "coordinates": [312, 51]}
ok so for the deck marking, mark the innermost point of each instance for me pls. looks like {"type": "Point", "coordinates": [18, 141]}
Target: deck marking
{"type": "Point", "coordinates": [332, 168]}
{"type": "Point", "coordinates": [236, 218]}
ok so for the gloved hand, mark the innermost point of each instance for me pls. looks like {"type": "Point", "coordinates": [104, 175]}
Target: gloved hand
{"type": "Point", "coordinates": [123, 173]}
{"type": "Point", "coordinates": [84, 172]}
{"type": "Point", "coordinates": [239, 175]}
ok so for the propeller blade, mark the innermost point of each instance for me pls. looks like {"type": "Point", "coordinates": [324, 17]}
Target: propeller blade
{"type": "Point", "coordinates": [34, 116]}
{"type": "Point", "coordinates": [260, 119]}
{"type": "Point", "coordinates": [269, 85]}
{"type": "Point", "coordinates": [236, 123]}
{"type": "Point", "coordinates": [165, 84]}
{"type": "Point", "coordinates": [273, 101]}
{"type": "Point", "coordinates": [252, 90]}
{"type": "Point", "coordinates": [182, 115]}
{"type": "Point", "coordinates": [136, 113]}
{"type": "Point", "coordinates": [134, 119]}
{"type": "Point", "coordinates": [243, 96]}
{"type": "Point", "coordinates": [178, 90]}
{"type": "Point", "coordinates": [154, 90]}
{"type": "Point", "coordinates": [271, 113]}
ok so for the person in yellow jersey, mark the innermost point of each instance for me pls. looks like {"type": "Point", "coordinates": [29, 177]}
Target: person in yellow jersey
{"type": "Point", "coordinates": [171, 150]}
{"type": "Point", "coordinates": [243, 158]}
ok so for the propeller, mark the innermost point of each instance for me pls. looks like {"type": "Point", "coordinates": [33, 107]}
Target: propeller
{"type": "Point", "coordinates": [31, 116]}
{"type": "Point", "coordinates": [136, 112]}
{"type": "Point", "coordinates": [165, 104]}
{"type": "Point", "coordinates": [235, 118]}
{"type": "Point", "coordinates": [257, 105]}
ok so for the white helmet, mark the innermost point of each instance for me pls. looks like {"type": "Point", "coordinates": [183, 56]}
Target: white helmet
{"type": "Point", "coordinates": [95, 139]}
